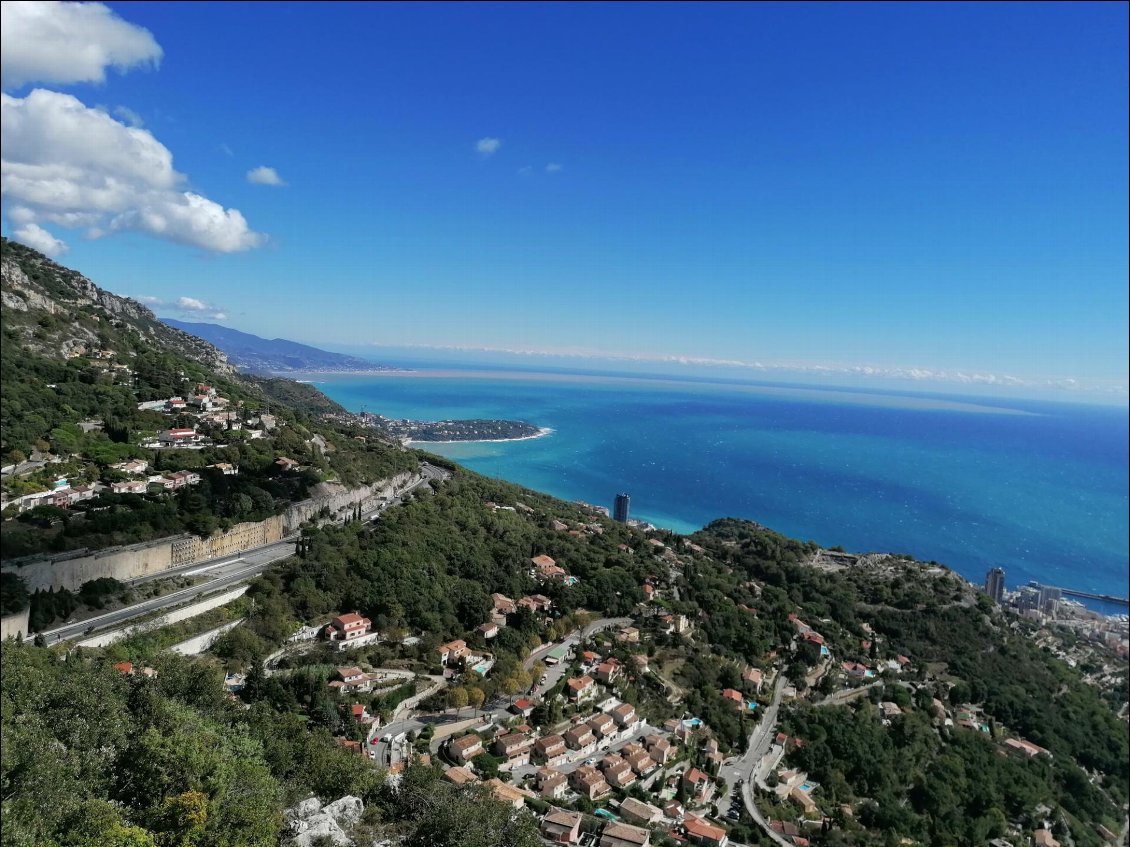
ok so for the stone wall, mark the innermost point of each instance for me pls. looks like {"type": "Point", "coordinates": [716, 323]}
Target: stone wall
{"type": "Point", "coordinates": [71, 570]}
{"type": "Point", "coordinates": [14, 626]}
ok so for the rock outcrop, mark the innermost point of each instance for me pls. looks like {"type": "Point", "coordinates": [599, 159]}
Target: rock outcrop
{"type": "Point", "coordinates": [309, 823]}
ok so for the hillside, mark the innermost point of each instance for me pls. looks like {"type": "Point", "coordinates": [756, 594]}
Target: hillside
{"type": "Point", "coordinates": [866, 700]}
{"type": "Point", "coordinates": [117, 429]}
{"type": "Point", "coordinates": [271, 356]}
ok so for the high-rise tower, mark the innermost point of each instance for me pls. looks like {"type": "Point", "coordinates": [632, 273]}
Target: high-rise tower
{"type": "Point", "coordinates": [994, 584]}
{"type": "Point", "coordinates": [620, 508]}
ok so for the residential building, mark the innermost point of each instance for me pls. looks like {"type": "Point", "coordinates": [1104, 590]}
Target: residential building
{"type": "Point", "coordinates": [487, 630]}
{"type": "Point", "coordinates": [602, 725]}
{"type": "Point", "coordinates": [580, 737]}
{"type": "Point", "coordinates": [514, 747]}
{"type": "Point", "coordinates": [636, 811]}
{"type": "Point", "coordinates": [175, 437]}
{"type": "Point", "coordinates": [698, 785]}
{"type": "Point", "coordinates": [659, 748]}
{"type": "Point", "coordinates": [580, 688]}
{"type": "Point", "coordinates": [617, 772]}
{"type": "Point", "coordinates": [452, 652]}
{"type": "Point", "coordinates": [459, 775]}
{"type": "Point", "coordinates": [465, 748]}
{"type": "Point", "coordinates": [551, 749]}
{"type": "Point", "coordinates": [515, 797]}
{"type": "Point", "coordinates": [589, 782]}
{"type": "Point", "coordinates": [347, 627]}
{"type": "Point", "coordinates": [551, 783]}
{"type": "Point", "coordinates": [625, 835]}
{"type": "Point", "coordinates": [734, 697]}
{"type": "Point", "coordinates": [536, 603]}
{"type": "Point", "coordinates": [629, 635]}
{"type": "Point", "coordinates": [131, 486]}
{"type": "Point", "coordinates": [560, 826]}
{"type": "Point", "coordinates": [701, 832]}
{"type": "Point", "coordinates": [624, 715]}
{"type": "Point", "coordinates": [753, 678]}
{"type": "Point", "coordinates": [640, 761]}
{"type": "Point", "coordinates": [1025, 748]}
{"type": "Point", "coordinates": [503, 605]}
{"type": "Point", "coordinates": [606, 672]}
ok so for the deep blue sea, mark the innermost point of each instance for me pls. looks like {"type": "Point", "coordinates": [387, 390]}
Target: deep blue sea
{"type": "Point", "coordinates": [1040, 489]}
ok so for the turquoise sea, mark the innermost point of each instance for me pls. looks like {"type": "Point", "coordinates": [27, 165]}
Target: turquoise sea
{"type": "Point", "coordinates": [1038, 488]}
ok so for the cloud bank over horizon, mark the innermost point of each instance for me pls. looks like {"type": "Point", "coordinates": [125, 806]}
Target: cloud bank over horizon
{"type": "Point", "coordinates": [908, 374]}
{"type": "Point", "coordinates": [70, 165]}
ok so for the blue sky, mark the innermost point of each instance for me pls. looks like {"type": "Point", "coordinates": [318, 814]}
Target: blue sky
{"type": "Point", "coordinates": [934, 192]}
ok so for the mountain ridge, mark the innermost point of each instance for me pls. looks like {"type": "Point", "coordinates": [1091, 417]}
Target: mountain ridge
{"type": "Point", "coordinates": [271, 356]}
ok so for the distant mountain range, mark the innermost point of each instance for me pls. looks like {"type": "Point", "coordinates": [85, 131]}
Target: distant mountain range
{"type": "Point", "coordinates": [260, 355]}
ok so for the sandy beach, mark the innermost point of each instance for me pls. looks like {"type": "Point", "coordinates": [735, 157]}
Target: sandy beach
{"type": "Point", "coordinates": [541, 433]}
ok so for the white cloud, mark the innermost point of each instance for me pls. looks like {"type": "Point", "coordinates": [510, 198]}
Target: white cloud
{"type": "Point", "coordinates": [263, 175]}
{"type": "Point", "coordinates": [54, 42]}
{"type": "Point", "coordinates": [554, 168]}
{"type": "Point", "coordinates": [65, 163]}
{"type": "Point", "coordinates": [129, 116]}
{"type": "Point", "coordinates": [186, 306]}
{"type": "Point", "coordinates": [37, 237]}
{"type": "Point", "coordinates": [525, 170]}
{"type": "Point", "coordinates": [488, 146]}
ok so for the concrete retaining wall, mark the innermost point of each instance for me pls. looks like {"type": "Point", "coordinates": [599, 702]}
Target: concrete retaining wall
{"type": "Point", "coordinates": [14, 626]}
{"type": "Point", "coordinates": [71, 570]}
{"type": "Point", "coordinates": [196, 646]}
{"type": "Point", "coordinates": [175, 616]}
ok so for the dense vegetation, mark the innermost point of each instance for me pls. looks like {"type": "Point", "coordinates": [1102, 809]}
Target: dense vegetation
{"type": "Point", "coordinates": [95, 758]}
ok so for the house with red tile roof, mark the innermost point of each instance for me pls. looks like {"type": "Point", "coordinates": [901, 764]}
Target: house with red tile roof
{"type": "Point", "coordinates": [659, 748]}
{"type": "Point", "coordinates": [701, 832]}
{"type": "Point", "coordinates": [635, 811]}
{"type": "Point", "coordinates": [589, 782]}
{"type": "Point", "coordinates": [551, 749]}
{"type": "Point", "coordinates": [698, 785]}
{"type": "Point", "coordinates": [465, 748]}
{"type": "Point", "coordinates": [617, 772]}
{"type": "Point", "coordinates": [580, 737]}
{"type": "Point", "coordinates": [624, 715]}
{"type": "Point", "coordinates": [551, 783]}
{"type": "Point", "coordinates": [560, 826]}
{"type": "Point", "coordinates": [347, 627]}
{"type": "Point", "coordinates": [624, 835]}
{"type": "Point", "coordinates": [606, 672]}
{"type": "Point", "coordinates": [580, 688]}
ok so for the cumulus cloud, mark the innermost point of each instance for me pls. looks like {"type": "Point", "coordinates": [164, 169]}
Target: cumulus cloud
{"type": "Point", "coordinates": [554, 167]}
{"type": "Point", "coordinates": [263, 175]}
{"type": "Point", "coordinates": [186, 306]}
{"type": "Point", "coordinates": [55, 42]}
{"type": "Point", "coordinates": [488, 146]}
{"type": "Point", "coordinates": [38, 238]}
{"type": "Point", "coordinates": [65, 163]}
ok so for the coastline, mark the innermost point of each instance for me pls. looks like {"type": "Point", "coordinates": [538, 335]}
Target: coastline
{"type": "Point", "coordinates": [541, 433]}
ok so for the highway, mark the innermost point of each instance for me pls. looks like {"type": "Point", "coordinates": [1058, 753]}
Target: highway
{"type": "Point", "coordinates": [221, 573]}
{"type": "Point", "coordinates": [234, 572]}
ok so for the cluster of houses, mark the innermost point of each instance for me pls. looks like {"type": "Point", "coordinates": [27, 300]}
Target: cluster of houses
{"type": "Point", "coordinates": [628, 757]}
{"type": "Point", "coordinates": [211, 409]}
